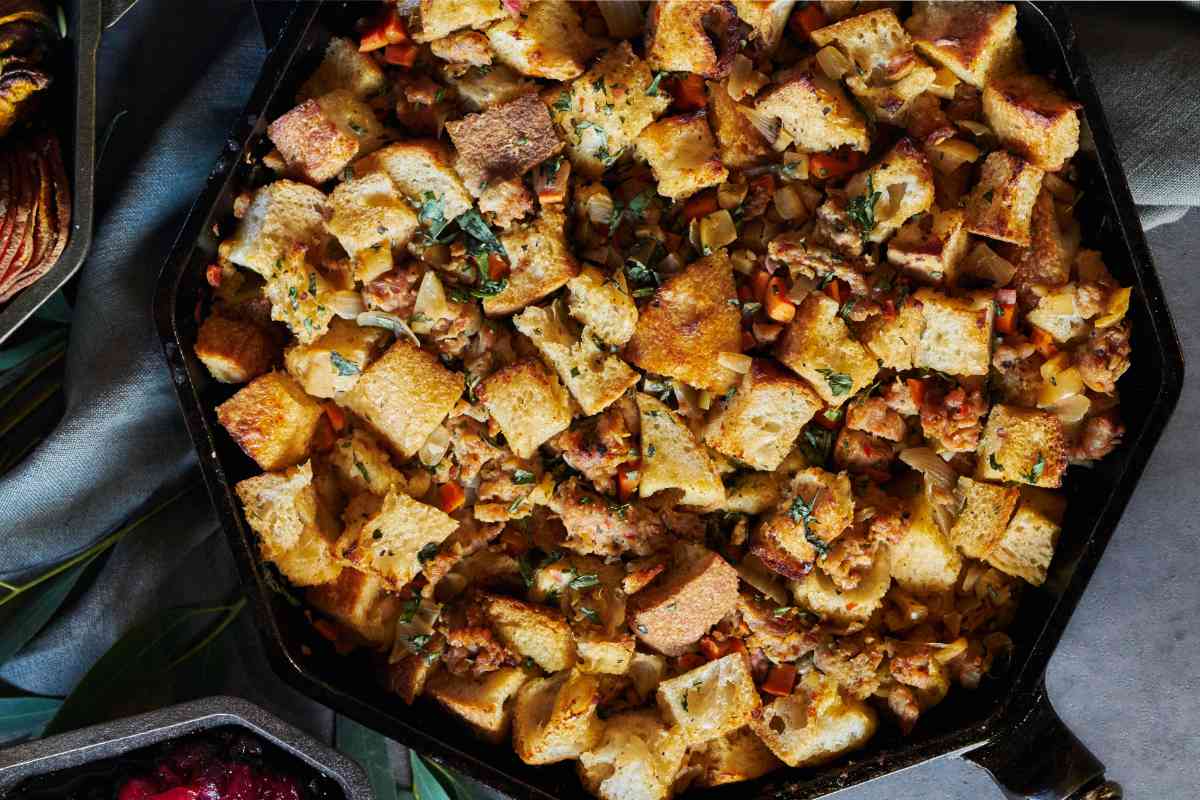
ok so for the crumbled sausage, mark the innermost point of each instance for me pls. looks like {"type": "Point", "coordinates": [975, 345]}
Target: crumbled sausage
{"type": "Point", "coordinates": [1104, 357]}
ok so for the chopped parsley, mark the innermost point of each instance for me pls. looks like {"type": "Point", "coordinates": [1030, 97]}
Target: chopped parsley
{"type": "Point", "coordinates": [994, 464]}
{"type": "Point", "coordinates": [590, 614]}
{"type": "Point", "coordinates": [653, 88]}
{"type": "Point", "coordinates": [428, 552]}
{"type": "Point", "coordinates": [362, 470]}
{"type": "Point", "coordinates": [861, 210]}
{"type": "Point", "coordinates": [1035, 472]}
{"type": "Point", "coordinates": [782, 611]}
{"type": "Point", "coordinates": [410, 608]}
{"type": "Point", "coordinates": [343, 365]}
{"type": "Point", "coordinates": [801, 513]}
{"type": "Point", "coordinates": [563, 103]}
{"type": "Point", "coordinates": [522, 477]}
{"type": "Point", "coordinates": [584, 581]}
{"type": "Point", "coordinates": [433, 214]}
{"type": "Point", "coordinates": [417, 643]}
{"type": "Point", "coordinates": [839, 382]}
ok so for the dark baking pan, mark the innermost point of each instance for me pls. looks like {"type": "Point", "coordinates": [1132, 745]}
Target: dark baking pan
{"type": "Point", "coordinates": [111, 740]}
{"type": "Point", "coordinates": [1007, 725]}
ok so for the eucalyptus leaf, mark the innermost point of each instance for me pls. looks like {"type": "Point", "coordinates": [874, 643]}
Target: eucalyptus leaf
{"type": "Point", "coordinates": [18, 355]}
{"type": "Point", "coordinates": [425, 785]}
{"type": "Point", "coordinates": [25, 716]}
{"type": "Point", "coordinates": [457, 787]}
{"type": "Point", "coordinates": [369, 749]}
{"type": "Point", "coordinates": [473, 225]}
{"type": "Point", "coordinates": [29, 612]}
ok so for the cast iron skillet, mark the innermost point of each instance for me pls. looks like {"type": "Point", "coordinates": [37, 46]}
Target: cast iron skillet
{"type": "Point", "coordinates": [1007, 725]}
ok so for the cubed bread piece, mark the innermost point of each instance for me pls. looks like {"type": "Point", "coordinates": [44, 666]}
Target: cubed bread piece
{"type": "Point", "coordinates": [282, 508]}
{"type": "Point", "coordinates": [505, 203]}
{"type": "Point", "coordinates": [272, 420]}
{"type": "Point", "coordinates": [986, 509]}
{"type": "Point", "coordinates": [1027, 546]}
{"type": "Point", "coordinates": [358, 601]}
{"type": "Point", "coordinates": [904, 167]}
{"type": "Point", "coordinates": [688, 323]}
{"type": "Point", "coordinates": [875, 42]}
{"type": "Point", "coordinates": [924, 560]}
{"type": "Point", "coordinates": [464, 48]}
{"type": "Point", "coordinates": [360, 464]}
{"type": "Point", "coordinates": [894, 340]}
{"type": "Point", "coordinates": [488, 86]}
{"type": "Point", "coordinates": [234, 350]}
{"type": "Point", "coordinates": [528, 403]}
{"type": "Point", "coordinates": [333, 363]}
{"type": "Point", "coordinates": [1001, 204]}
{"type": "Point", "coordinates": [506, 140]}
{"type": "Point", "coordinates": [818, 347]}
{"type": "Point", "coordinates": [711, 700]}
{"type": "Point", "coordinates": [929, 247]}
{"type": "Point", "coordinates": [355, 118]}
{"type": "Point", "coordinates": [1033, 119]}
{"type": "Point", "coordinates": [692, 596]}
{"type": "Point", "coordinates": [281, 215]}
{"type": "Point", "coordinates": [606, 655]}
{"type": "Point", "coordinates": [601, 112]}
{"type": "Point", "coordinates": [815, 111]}
{"type": "Point", "coordinates": [638, 758]}
{"type": "Point", "coordinates": [752, 492]}
{"type": "Point", "coordinates": [767, 20]}
{"type": "Point", "coordinates": [540, 261]}
{"type": "Point", "coordinates": [423, 171]}
{"type": "Point", "coordinates": [441, 17]}
{"type": "Point", "coordinates": [957, 338]}
{"type": "Point", "coordinates": [739, 143]}
{"type": "Point", "coordinates": [555, 718]}
{"type": "Point", "coordinates": [820, 595]}
{"type": "Point", "coordinates": [759, 423]}
{"type": "Point", "coordinates": [699, 36]}
{"type": "Point", "coordinates": [595, 378]}
{"type": "Point", "coordinates": [891, 102]}
{"type": "Point", "coordinates": [672, 458]}
{"type": "Point", "coordinates": [732, 758]}
{"type": "Point", "coordinates": [314, 148]}
{"type": "Point", "coordinates": [1047, 260]}
{"type": "Point", "coordinates": [1022, 445]}
{"type": "Point", "coordinates": [682, 154]}
{"type": "Point", "coordinates": [815, 724]}
{"type": "Point", "coordinates": [603, 304]}
{"type": "Point", "coordinates": [300, 296]}
{"type": "Point", "coordinates": [816, 510]}
{"type": "Point", "coordinates": [409, 675]}
{"type": "Point", "coordinates": [532, 631]}
{"type": "Point", "coordinates": [387, 542]}
{"type": "Point", "coordinates": [968, 38]}
{"type": "Point", "coordinates": [369, 210]}
{"type": "Point", "coordinates": [1057, 313]}
{"type": "Point", "coordinates": [548, 41]}
{"type": "Point", "coordinates": [404, 396]}
{"type": "Point", "coordinates": [485, 703]}
{"type": "Point", "coordinates": [344, 67]}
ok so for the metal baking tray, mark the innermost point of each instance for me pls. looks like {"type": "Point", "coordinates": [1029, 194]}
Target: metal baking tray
{"type": "Point", "coordinates": [1006, 726]}
{"type": "Point", "coordinates": [108, 740]}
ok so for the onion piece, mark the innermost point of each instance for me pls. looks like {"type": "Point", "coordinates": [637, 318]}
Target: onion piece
{"type": "Point", "coordinates": [944, 84]}
{"type": "Point", "coordinates": [931, 465]}
{"type": "Point", "coordinates": [393, 323]}
{"type": "Point", "coordinates": [796, 166]}
{"type": "Point", "coordinates": [1055, 365]}
{"type": "Point", "coordinates": [717, 230]}
{"type": "Point", "coordinates": [983, 262]}
{"type": "Point", "coordinates": [599, 205]}
{"type": "Point", "coordinates": [738, 362]}
{"type": "Point", "coordinates": [832, 63]}
{"type": "Point", "coordinates": [950, 154]}
{"type": "Point", "coordinates": [623, 17]}
{"type": "Point", "coordinates": [788, 204]}
{"type": "Point", "coordinates": [768, 127]}
{"type": "Point", "coordinates": [743, 261]}
{"type": "Point", "coordinates": [1071, 409]}
{"type": "Point", "coordinates": [975, 128]}
{"type": "Point", "coordinates": [431, 305]}
{"type": "Point", "coordinates": [731, 195]}
{"type": "Point", "coordinates": [754, 572]}
{"type": "Point", "coordinates": [1064, 384]}
{"type": "Point", "coordinates": [435, 447]}
{"type": "Point", "coordinates": [420, 623]}
{"type": "Point", "coordinates": [1116, 308]}
{"type": "Point", "coordinates": [1062, 191]}
{"type": "Point", "coordinates": [783, 141]}
{"type": "Point", "coordinates": [347, 304]}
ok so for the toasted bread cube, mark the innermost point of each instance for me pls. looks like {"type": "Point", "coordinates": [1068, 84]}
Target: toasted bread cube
{"type": "Point", "coordinates": [532, 631]}
{"type": "Point", "coordinates": [687, 325]}
{"type": "Point", "coordinates": [1027, 546]}
{"type": "Point", "coordinates": [541, 262]}
{"type": "Point", "coordinates": [739, 143]}
{"type": "Point", "coordinates": [673, 459]}
{"type": "Point", "coordinates": [555, 717]}
{"type": "Point", "coordinates": [752, 493]}
{"type": "Point", "coordinates": [272, 420]}
{"type": "Point", "coordinates": [1032, 119]}
{"type": "Point", "coordinates": [985, 514]}
{"type": "Point", "coordinates": [971, 39]}
{"type": "Point", "coordinates": [892, 102]}
{"type": "Point", "coordinates": [692, 36]}
{"type": "Point", "coordinates": [817, 593]}
{"type": "Point", "coordinates": [603, 304]}
{"type": "Point", "coordinates": [528, 403]}
{"type": "Point", "coordinates": [695, 594]}
{"type": "Point", "coordinates": [423, 171]}
{"type": "Point", "coordinates": [360, 464]}
{"type": "Point", "coordinates": [619, 81]}
{"type": "Point", "coordinates": [464, 47]}
{"type": "Point", "coordinates": [638, 758]}
{"type": "Point", "coordinates": [483, 88]}
{"type": "Point", "coordinates": [904, 166]}
{"type": "Point", "coordinates": [682, 154]}
{"type": "Point", "coordinates": [818, 347]}
{"type": "Point", "coordinates": [234, 350]}
{"type": "Point", "coordinates": [789, 543]}
{"type": "Point", "coordinates": [924, 560]}
{"type": "Point", "coordinates": [711, 700]}
{"type": "Point", "coordinates": [369, 210]}
{"type": "Point", "coordinates": [485, 703]}
{"type": "Point", "coordinates": [1047, 260]}
{"type": "Point", "coordinates": [957, 338]}
{"type": "Point", "coordinates": [358, 601]}
{"type": "Point", "coordinates": [281, 215]}
{"type": "Point", "coordinates": [1001, 204]}
{"type": "Point", "coordinates": [387, 542]}
{"type": "Point", "coordinates": [506, 203]}
{"type": "Point", "coordinates": [282, 508]}
{"type": "Point", "coordinates": [1022, 445]}
{"type": "Point", "coordinates": [313, 146]}
{"type": "Point", "coordinates": [353, 117]}
{"type": "Point", "coordinates": [548, 41]}
{"type": "Point", "coordinates": [333, 363]}
{"type": "Point", "coordinates": [603, 654]}
{"type": "Point", "coordinates": [344, 67]}
{"type": "Point", "coordinates": [441, 17]}
{"type": "Point", "coordinates": [759, 423]}
{"type": "Point", "coordinates": [409, 676]}
{"type": "Point", "coordinates": [929, 248]}
{"type": "Point", "coordinates": [815, 724]}
{"type": "Point", "coordinates": [733, 758]}
{"type": "Point", "coordinates": [404, 396]}
{"type": "Point", "coordinates": [300, 296]}
{"type": "Point", "coordinates": [815, 111]}
{"type": "Point", "coordinates": [767, 20]}
{"type": "Point", "coordinates": [875, 42]}
{"type": "Point", "coordinates": [507, 140]}
{"type": "Point", "coordinates": [894, 340]}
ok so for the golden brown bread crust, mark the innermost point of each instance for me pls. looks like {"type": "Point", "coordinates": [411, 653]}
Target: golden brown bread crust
{"type": "Point", "coordinates": [690, 598]}
{"type": "Point", "coordinates": [272, 420]}
{"type": "Point", "coordinates": [698, 36]}
{"type": "Point", "coordinates": [507, 140]}
{"type": "Point", "coordinates": [311, 144]}
{"type": "Point", "coordinates": [234, 350]}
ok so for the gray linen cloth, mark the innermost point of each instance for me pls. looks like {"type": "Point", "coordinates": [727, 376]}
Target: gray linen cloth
{"type": "Point", "coordinates": [182, 72]}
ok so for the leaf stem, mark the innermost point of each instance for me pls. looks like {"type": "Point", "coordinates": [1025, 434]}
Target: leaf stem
{"type": "Point", "coordinates": [231, 613]}
{"type": "Point", "coordinates": [55, 355]}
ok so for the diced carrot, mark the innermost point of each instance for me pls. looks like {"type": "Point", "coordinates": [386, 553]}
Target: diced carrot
{"type": "Point", "coordinates": [337, 417]}
{"type": "Point", "coordinates": [806, 19]}
{"type": "Point", "coordinates": [835, 164]}
{"type": "Point", "coordinates": [1006, 317]}
{"type": "Point", "coordinates": [323, 438]}
{"type": "Point", "coordinates": [402, 55]}
{"type": "Point", "coordinates": [838, 290]}
{"type": "Point", "coordinates": [213, 275]}
{"type": "Point", "coordinates": [1044, 342]}
{"type": "Point", "coordinates": [916, 389]}
{"type": "Point", "coordinates": [497, 266]}
{"type": "Point", "coordinates": [687, 93]}
{"type": "Point", "coordinates": [779, 308]}
{"type": "Point", "coordinates": [689, 661]}
{"type": "Point", "coordinates": [829, 419]}
{"type": "Point", "coordinates": [713, 649]}
{"type": "Point", "coordinates": [389, 29]}
{"type": "Point", "coordinates": [701, 205]}
{"type": "Point", "coordinates": [758, 283]}
{"type": "Point", "coordinates": [629, 475]}
{"type": "Point", "coordinates": [451, 497]}
{"type": "Point", "coordinates": [780, 680]}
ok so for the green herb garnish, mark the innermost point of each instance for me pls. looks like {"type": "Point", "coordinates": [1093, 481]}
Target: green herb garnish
{"type": "Point", "coordinates": [839, 382]}
{"type": "Point", "coordinates": [343, 365]}
{"type": "Point", "coordinates": [861, 210]}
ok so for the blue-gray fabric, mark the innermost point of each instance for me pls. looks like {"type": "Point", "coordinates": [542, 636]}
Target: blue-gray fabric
{"type": "Point", "coordinates": [181, 72]}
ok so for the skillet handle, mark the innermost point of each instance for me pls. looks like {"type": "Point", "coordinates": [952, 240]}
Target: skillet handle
{"type": "Point", "coordinates": [1042, 760]}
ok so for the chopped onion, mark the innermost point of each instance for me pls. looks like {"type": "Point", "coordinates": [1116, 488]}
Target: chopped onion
{"type": "Point", "coordinates": [431, 306]}
{"type": "Point", "coordinates": [382, 319]}
{"type": "Point", "coordinates": [599, 206]}
{"type": "Point", "coordinates": [766, 332]}
{"type": "Point", "coordinates": [1055, 365]}
{"type": "Point", "coordinates": [754, 572]}
{"type": "Point", "coordinates": [950, 154]}
{"type": "Point", "coordinates": [1062, 191]}
{"type": "Point", "coordinates": [983, 262]}
{"type": "Point", "coordinates": [931, 465]}
{"type": "Point", "coordinates": [788, 204]}
{"type": "Point", "coordinates": [738, 362]}
{"type": "Point", "coordinates": [1059, 304]}
{"type": "Point", "coordinates": [802, 287]}
{"type": "Point", "coordinates": [944, 84]}
{"type": "Point", "coordinates": [623, 17]}
{"type": "Point", "coordinates": [1071, 409]}
{"type": "Point", "coordinates": [731, 195]}
{"type": "Point", "coordinates": [783, 141]}
{"type": "Point", "coordinates": [743, 261]}
{"type": "Point", "coordinates": [1116, 308]}
{"type": "Point", "coordinates": [704, 400]}
{"type": "Point", "coordinates": [811, 196]}
{"type": "Point", "coordinates": [832, 63]}
{"type": "Point", "coordinates": [1059, 387]}
{"type": "Point", "coordinates": [435, 447]}
{"type": "Point", "coordinates": [744, 81]}
{"type": "Point", "coordinates": [347, 304]}
{"type": "Point", "coordinates": [948, 652]}
{"type": "Point", "coordinates": [768, 127]}
{"type": "Point", "coordinates": [976, 128]}
{"type": "Point", "coordinates": [717, 230]}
